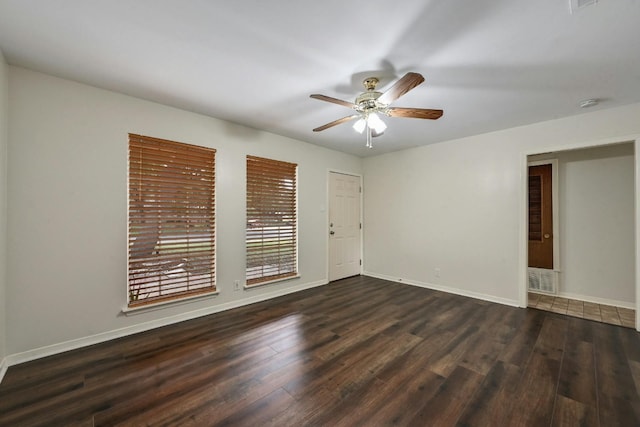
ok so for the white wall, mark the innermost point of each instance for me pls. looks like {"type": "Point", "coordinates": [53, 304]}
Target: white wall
{"type": "Point", "coordinates": [459, 206]}
{"type": "Point", "coordinates": [596, 188]}
{"type": "Point", "coordinates": [4, 133]}
{"type": "Point", "coordinates": [67, 208]}
{"type": "Point", "coordinates": [455, 206]}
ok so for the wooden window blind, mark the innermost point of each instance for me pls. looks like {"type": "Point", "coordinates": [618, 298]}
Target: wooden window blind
{"type": "Point", "coordinates": [535, 208]}
{"type": "Point", "coordinates": [171, 220]}
{"type": "Point", "coordinates": [271, 235]}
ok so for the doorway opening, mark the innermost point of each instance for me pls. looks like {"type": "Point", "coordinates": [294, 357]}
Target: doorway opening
{"type": "Point", "coordinates": [590, 225]}
{"type": "Point", "coordinates": [543, 235]}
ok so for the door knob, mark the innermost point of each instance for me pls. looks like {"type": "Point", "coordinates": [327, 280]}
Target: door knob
{"type": "Point", "coordinates": [546, 236]}
{"type": "Point", "coordinates": [332, 232]}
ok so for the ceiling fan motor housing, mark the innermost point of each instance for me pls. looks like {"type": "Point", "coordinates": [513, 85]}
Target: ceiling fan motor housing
{"type": "Point", "coordinates": [367, 102]}
{"type": "Point", "coordinates": [370, 83]}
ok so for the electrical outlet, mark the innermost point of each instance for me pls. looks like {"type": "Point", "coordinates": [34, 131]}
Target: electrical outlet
{"type": "Point", "coordinates": [436, 272]}
{"type": "Point", "coordinates": [236, 285]}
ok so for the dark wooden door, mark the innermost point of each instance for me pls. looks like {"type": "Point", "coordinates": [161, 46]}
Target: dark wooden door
{"type": "Point", "coordinates": [540, 217]}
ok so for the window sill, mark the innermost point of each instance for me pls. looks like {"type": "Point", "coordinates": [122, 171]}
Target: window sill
{"type": "Point", "coordinates": [270, 282]}
{"type": "Point", "coordinates": [130, 311]}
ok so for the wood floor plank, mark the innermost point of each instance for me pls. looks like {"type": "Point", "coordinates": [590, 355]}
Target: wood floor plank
{"type": "Point", "coordinates": [355, 364]}
{"type": "Point", "coordinates": [258, 413]}
{"type": "Point", "coordinates": [448, 357]}
{"type": "Point", "coordinates": [493, 337]}
{"type": "Point", "coordinates": [569, 412]}
{"type": "Point", "coordinates": [492, 403]}
{"type": "Point", "coordinates": [630, 340]}
{"type": "Point", "coordinates": [208, 381]}
{"type": "Point", "coordinates": [392, 403]}
{"type": "Point", "coordinates": [533, 402]}
{"type": "Point", "coordinates": [619, 401]}
{"type": "Point", "coordinates": [360, 351]}
{"type": "Point", "coordinates": [416, 359]}
{"type": "Point", "coordinates": [449, 402]}
{"type": "Point", "coordinates": [301, 413]}
{"type": "Point", "coordinates": [359, 371]}
{"type": "Point", "coordinates": [518, 350]}
{"type": "Point", "coordinates": [635, 373]}
{"type": "Point", "coordinates": [341, 412]}
{"type": "Point", "coordinates": [578, 375]}
{"type": "Point", "coordinates": [551, 341]}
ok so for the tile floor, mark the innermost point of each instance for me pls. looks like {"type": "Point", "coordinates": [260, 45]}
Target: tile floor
{"type": "Point", "coordinates": [586, 310]}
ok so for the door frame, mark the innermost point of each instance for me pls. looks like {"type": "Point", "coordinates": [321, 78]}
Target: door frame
{"type": "Point", "coordinates": [555, 216]}
{"type": "Point", "coordinates": [524, 209]}
{"type": "Point", "coordinates": [326, 222]}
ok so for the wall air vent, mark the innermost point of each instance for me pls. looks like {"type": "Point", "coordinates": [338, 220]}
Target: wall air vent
{"type": "Point", "coordinates": [543, 280]}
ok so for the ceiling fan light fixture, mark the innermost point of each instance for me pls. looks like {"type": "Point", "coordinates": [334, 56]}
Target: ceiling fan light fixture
{"type": "Point", "coordinates": [360, 125]}
{"type": "Point", "coordinates": [376, 123]}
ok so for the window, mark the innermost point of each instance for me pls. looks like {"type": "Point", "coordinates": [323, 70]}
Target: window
{"type": "Point", "coordinates": [271, 220]}
{"type": "Point", "coordinates": [171, 220]}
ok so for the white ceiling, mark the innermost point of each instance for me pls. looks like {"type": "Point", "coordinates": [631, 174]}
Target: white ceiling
{"type": "Point", "coordinates": [489, 64]}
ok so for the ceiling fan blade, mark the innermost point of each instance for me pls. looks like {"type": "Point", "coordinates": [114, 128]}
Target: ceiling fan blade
{"type": "Point", "coordinates": [333, 100]}
{"type": "Point", "coordinates": [399, 88]}
{"type": "Point", "coordinates": [336, 122]}
{"type": "Point", "coordinates": [417, 113]}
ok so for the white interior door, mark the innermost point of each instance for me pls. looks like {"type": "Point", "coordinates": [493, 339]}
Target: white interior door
{"type": "Point", "coordinates": [344, 226]}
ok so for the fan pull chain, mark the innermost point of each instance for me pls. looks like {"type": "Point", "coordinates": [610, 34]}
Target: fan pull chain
{"type": "Point", "coordinates": [369, 145]}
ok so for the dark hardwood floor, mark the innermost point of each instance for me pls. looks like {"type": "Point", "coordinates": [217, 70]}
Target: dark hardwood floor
{"type": "Point", "coordinates": [360, 351]}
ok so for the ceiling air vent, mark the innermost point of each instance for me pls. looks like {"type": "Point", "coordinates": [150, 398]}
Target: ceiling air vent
{"type": "Point", "coordinates": [576, 5]}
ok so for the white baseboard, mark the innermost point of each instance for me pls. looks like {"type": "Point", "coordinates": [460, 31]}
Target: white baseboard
{"type": "Point", "coordinates": [596, 300]}
{"type": "Point", "coordinates": [38, 353]}
{"type": "Point", "coordinates": [4, 365]}
{"type": "Point", "coordinates": [450, 290]}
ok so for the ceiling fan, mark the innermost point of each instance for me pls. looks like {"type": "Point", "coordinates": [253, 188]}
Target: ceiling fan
{"type": "Point", "coordinates": [370, 104]}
